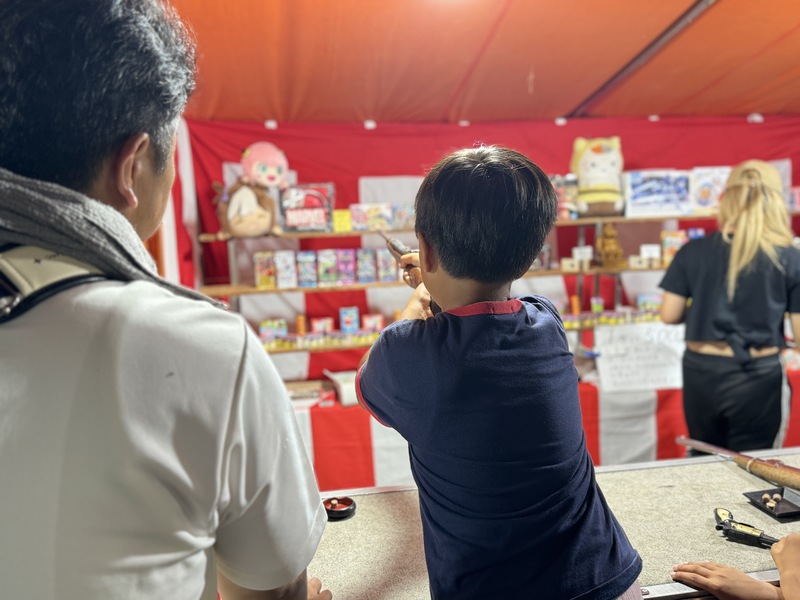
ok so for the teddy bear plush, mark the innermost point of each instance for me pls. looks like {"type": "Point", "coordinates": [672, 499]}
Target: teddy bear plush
{"type": "Point", "coordinates": [598, 165]}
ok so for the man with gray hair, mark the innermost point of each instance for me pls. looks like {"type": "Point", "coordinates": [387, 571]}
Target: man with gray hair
{"type": "Point", "coordinates": [147, 445]}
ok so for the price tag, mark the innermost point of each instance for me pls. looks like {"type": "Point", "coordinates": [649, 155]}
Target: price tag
{"type": "Point", "coordinates": [581, 253]}
{"type": "Point", "coordinates": [648, 251]}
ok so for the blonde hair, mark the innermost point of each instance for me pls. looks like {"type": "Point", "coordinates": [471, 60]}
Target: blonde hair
{"type": "Point", "coordinates": [755, 211]}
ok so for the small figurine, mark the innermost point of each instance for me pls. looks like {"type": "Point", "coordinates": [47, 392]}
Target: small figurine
{"type": "Point", "coordinates": [609, 248]}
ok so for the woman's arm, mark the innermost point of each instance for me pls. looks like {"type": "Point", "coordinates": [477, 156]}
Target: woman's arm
{"type": "Point", "coordinates": [673, 308]}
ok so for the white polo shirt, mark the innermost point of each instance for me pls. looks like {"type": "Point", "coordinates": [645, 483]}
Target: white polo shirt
{"type": "Point", "coordinates": [146, 439]}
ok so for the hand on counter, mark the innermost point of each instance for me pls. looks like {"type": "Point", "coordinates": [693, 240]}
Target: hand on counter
{"type": "Point", "coordinates": [786, 554]}
{"type": "Point", "coordinates": [315, 591]}
{"type": "Point", "coordinates": [724, 582]}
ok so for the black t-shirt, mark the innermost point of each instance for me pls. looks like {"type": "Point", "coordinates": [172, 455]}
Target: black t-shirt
{"type": "Point", "coordinates": [763, 293]}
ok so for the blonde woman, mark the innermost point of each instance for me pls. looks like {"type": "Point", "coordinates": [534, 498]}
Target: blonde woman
{"type": "Point", "coordinates": [732, 289]}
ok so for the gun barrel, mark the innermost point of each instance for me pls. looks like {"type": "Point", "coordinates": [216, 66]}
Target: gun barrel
{"type": "Point", "coordinates": [775, 473]}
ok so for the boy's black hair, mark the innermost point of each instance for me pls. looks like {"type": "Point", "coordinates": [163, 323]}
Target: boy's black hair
{"type": "Point", "coordinates": [79, 77]}
{"type": "Point", "coordinates": [486, 212]}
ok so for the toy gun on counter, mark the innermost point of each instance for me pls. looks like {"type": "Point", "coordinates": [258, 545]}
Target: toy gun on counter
{"type": "Point", "coordinates": [398, 249]}
{"type": "Point", "coordinates": [774, 471]}
{"type": "Point", "coordinates": [741, 532]}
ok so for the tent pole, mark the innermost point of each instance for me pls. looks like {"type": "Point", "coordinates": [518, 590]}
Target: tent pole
{"type": "Point", "coordinates": [645, 55]}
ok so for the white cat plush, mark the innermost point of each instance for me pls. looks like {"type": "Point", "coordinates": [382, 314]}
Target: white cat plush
{"type": "Point", "coordinates": [598, 164]}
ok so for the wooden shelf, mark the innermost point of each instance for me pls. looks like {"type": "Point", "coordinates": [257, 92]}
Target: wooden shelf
{"type": "Point", "coordinates": [227, 290]}
{"type": "Point", "coordinates": [220, 236]}
{"type": "Point", "coordinates": [322, 348]}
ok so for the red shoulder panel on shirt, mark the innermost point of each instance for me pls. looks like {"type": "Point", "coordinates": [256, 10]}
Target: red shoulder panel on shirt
{"type": "Point", "coordinates": [505, 307]}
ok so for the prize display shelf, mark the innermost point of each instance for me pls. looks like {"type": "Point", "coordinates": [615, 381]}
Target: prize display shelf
{"type": "Point", "coordinates": [233, 290]}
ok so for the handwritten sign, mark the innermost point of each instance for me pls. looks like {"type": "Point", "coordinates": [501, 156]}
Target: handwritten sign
{"type": "Point", "coordinates": [639, 356]}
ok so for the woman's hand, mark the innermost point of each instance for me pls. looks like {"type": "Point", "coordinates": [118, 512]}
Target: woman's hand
{"type": "Point", "coordinates": [724, 582]}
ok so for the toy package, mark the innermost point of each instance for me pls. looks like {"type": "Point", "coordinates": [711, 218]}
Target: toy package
{"type": "Point", "coordinates": [327, 272]}
{"type": "Point", "coordinates": [707, 185]}
{"type": "Point", "coordinates": [342, 221]}
{"type": "Point", "coordinates": [366, 269]}
{"type": "Point", "coordinates": [598, 163]}
{"type": "Point", "coordinates": [372, 322]}
{"type": "Point", "coordinates": [348, 319]}
{"type": "Point", "coordinates": [671, 242]}
{"type": "Point", "coordinates": [308, 207]}
{"type": "Point", "coordinates": [272, 328]}
{"type": "Point", "coordinates": [358, 217]}
{"type": "Point", "coordinates": [387, 266]}
{"type": "Point", "coordinates": [306, 268]}
{"type": "Point", "coordinates": [657, 193]}
{"type": "Point", "coordinates": [346, 266]}
{"type": "Point", "coordinates": [322, 325]}
{"type": "Point", "coordinates": [380, 217]}
{"type": "Point", "coordinates": [285, 269]}
{"type": "Point", "coordinates": [264, 270]}
{"type": "Point", "coordinates": [403, 216]}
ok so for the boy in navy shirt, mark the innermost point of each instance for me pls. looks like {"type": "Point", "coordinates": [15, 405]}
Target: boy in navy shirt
{"type": "Point", "coordinates": [486, 395]}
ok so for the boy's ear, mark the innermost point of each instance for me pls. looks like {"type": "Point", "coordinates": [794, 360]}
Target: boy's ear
{"type": "Point", "coordinates": [428, 259]}
{"type": "Point", "coordinates": [128, 167]}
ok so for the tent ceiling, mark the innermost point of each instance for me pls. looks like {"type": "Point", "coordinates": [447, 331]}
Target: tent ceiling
{"type": "Point", "coordinates": [489, 60]}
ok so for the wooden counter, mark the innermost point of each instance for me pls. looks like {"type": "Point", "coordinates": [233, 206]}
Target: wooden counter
{"type": "Point", "coordinates": [665, 507]}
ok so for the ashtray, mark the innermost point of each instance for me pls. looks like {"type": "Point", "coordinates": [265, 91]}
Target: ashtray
{"type": "Point", "coordinates": [780, 503]}
{"type": "Point", "coordinates": [339, 508]}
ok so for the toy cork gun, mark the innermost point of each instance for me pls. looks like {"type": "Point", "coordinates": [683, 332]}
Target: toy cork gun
{"type": "Point", "coordinates": [774, 471]}
{"type": "Point", "coordinates": [741, 532]}
{"type": "Point", "coordinates": [398, 249]}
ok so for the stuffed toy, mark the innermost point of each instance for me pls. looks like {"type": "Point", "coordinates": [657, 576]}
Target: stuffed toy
{"type": "Point", "coordinates": [598, 166]}
{"type": "Point", "coordinates": [249, 207]}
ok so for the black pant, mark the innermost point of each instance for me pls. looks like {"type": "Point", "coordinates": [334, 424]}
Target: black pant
{"type": "Point", "coordinates": [738, 407]}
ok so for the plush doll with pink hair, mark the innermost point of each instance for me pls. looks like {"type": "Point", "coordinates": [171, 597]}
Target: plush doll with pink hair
{"type": "Point", "coordinates": [249, 207]}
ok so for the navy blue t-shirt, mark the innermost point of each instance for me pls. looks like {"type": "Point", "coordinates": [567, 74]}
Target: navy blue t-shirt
{"type": "Point", "coordinates": [487, 397]}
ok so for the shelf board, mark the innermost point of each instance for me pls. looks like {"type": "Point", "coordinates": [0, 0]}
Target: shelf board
{"type": "Point", "coordinates": [322, 348]}
{"type": "Point", "coordinates": [220, 236]}
{"type": "Point", "coordinates": [227, 290]}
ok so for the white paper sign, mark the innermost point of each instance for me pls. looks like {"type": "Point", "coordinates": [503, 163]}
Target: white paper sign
{"type": "Point", "coordinates": [639, 356]}
{"type": "Point", "coordinates": [583, 253]}
{"type": "Point", "coordinates": [650, 251]}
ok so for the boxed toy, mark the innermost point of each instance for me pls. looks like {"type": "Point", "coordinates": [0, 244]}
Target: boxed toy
{"type": "Point", "coordinates": [306, 268]}
{"type": "Point", "coordinates": [372, 322]}
{"type": "Point", "coordinates": [671, 242]}
{"type": "Point", "coordinates": [348, 319]}
{"type": "Point", "coordinates": [322, 325]}
{"type": "Point", "coordinates": [358, 217]}
{"type": "Point", "coordinates": [327, 272]}
{"type": "Point", "coordinates": [269, 328]}
{"type": "Point", "coordinates": [387, 266]}
{"type": "Point", "coordinates": [404, 216]}
{"type": "Point", "coordinates": [380, 217]}
{"type": "Point", "coordinates": [708, 183]}
{"type": "Point", "coordinates": [342, 221]}
{"type": "Point", "coordinates": [308, 207]}
{"type": "Point", "coordinates": [657, 193]}
{"type": "Point", "coordinates": [366, 269]}
{"type": "Point", "coordinates": [285, 269]}
{"type": "Point", "coordinates": [346, 266]}
{"type": "Point", "coordinates": [264, 270]}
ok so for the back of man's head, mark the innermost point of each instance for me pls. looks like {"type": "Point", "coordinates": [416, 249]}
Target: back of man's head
{"type": "Point", "coordinates": [79, 77]}
{"type": "Point", "coordinates": [486, 212]}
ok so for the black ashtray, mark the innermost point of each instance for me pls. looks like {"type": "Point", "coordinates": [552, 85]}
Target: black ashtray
{"type": "Point", "coordinates": [783, 502]}
{"type": "Point", "coordinates": [339, 508]}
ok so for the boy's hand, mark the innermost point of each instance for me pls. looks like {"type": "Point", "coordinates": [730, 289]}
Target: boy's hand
{"type": "Point", "coordinates": [419, 306]}
{"type": "Point", "coordinates": [412, 274]}
{"type": "Point", "coordinates": [724, 582]}
{"type": "Point", "coordinates": [786, 554]}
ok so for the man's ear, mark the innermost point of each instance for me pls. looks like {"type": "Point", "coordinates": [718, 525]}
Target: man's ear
{"type": "Point", "coordinates": [128, 167]}
{"type": "Point", "coordinates": [429, 261]}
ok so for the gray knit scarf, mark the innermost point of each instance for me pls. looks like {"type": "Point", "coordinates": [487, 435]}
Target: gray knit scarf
{"type": "Point", "coordinates": [47, 215]}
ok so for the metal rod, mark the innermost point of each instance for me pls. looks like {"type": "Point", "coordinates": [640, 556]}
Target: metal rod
{"type": "Point", "coordinates": [644, 56]}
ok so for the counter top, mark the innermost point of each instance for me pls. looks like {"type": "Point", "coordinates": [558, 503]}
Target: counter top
{"type": "Point", "coordinates": [666, 508]}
